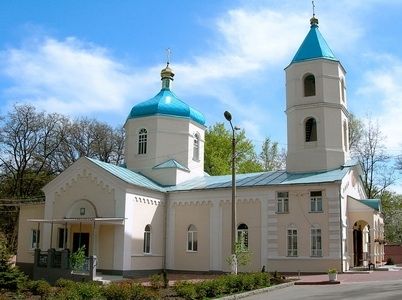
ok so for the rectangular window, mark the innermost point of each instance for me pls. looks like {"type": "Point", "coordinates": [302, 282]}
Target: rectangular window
{"type": "Point", "coordinates": [316, 245]}
{"type": "Point", "coordinates": [192, 240]}
{"type": "Point", "coordinates": [35, 238]}
{"type": "Point", "coordinates": [283, 202]}
{"type": "Point", "coordinates": [316, 201]}
{"type": "Point", "coordinates": [62, 238]}
{"type": "Point", "coordinates": [292, 242]}
{"type": "Point", "coordinates": [147, 242]}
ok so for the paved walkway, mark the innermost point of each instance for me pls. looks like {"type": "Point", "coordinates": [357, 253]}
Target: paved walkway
{"type": "Point", "coordinates": [393, 273]}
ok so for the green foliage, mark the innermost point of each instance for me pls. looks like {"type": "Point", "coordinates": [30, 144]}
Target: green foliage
{"type": "Point", "coordinates": [243, 254]}
{"type": "Point", "coordinates": [62, 282]}
{"type": "Point", "coordinates": [128, 290]}
{"type": "Point", "coordinates": [11, 278]}
{"type": "Point", "coordinates": [391, 205]}
{"type": "Point", "coordinates": [40, 287]}
{"type": "Point", "coordinates": [186, 289]}
{"type": "Point", "coordinates": [223, 285]}
{"type": "Point", "coordinates": [156, 281]}
{"type": "Point", "coordinates": [272, 158]}
{"type": "Point", "coordinates": [218, 152]}
{"type": "Point", "coordinates": [89, 290]}
{"type": "Point", "coordinates": [64, 293]}
{"type": "Point", "coordinates": [77, 259]}
{"type": "Point", "coordinates": [117, 291]}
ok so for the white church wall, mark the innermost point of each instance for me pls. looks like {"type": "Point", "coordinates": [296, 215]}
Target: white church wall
{"type": "Point", "coordinates": [146, 210]}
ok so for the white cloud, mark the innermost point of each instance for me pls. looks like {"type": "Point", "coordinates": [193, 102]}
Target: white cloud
{"type": "Point", "coordinates": [382, 86]}
{"type": "Point", "coordinates": [68, 76]}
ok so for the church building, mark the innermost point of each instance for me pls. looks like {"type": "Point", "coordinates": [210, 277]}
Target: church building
{"type": "Point", "coordinates": [162, 211]}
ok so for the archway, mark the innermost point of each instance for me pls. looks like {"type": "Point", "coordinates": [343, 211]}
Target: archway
{"type": "Point", "coordinates": [361, 236]}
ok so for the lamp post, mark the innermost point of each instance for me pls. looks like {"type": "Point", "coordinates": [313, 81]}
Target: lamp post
{"type": "Point", "coordinates": [228, 117]}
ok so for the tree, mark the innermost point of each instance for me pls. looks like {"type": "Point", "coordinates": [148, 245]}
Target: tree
{"type": "Point", "coordinates": [356, 129]}
{"type": "Point", "coordinates": [391, 204]}
{"type": "Point", "coordinates": [370, 152]}
{"type": "Point", "coordinates": [218, 152]}
{"type": "Point", "coordinates": [271, 157]}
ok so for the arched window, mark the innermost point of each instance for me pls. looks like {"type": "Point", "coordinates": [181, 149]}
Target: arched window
{"type": "Point", "coordinates": [345, 136]}
{"type": "Point", "coordinates": [192, 241]}
{"type": "Point", "coordinates": [142, 141]}
{"type": "Point", "coordinates": [309, 85]}
{"type": "Point", "coordinates": [343, 89]}
{"type": "Point", "coordinates": [316, 243]}
{"type": "Point", "coordinates": [147, 239]}
{"type": "Point", "coordinates": [196, 147]}
{"type": "Point", "coordinates": [242, 235]}
{"type": "Point", "coordinates": [311, 130]}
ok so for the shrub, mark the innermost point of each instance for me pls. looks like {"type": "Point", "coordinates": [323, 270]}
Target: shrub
{"type": "Point", "coordinates": [88, 290]}
{"type": "Point", "coordinates": [156, 281]}
{"type": "Point", "coordinates": [139, 292]}
{"type": "Point", "coordinates": [117, 291]}
{"type": "Point", "coordinates": [186, 290]}
{"type": "Point", "coordinates": [40, 287]}
{"type": "Point", "coordinates": [77, 259]}
{"type": "Point", "coordinates": [62, 282]}
{"type": "Point", "coordinates": [64, 293]}
{"type": "Point", "coordinates": [11, 278]}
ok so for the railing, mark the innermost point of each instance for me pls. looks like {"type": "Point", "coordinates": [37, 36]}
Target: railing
{"type": "Point", "coordinates": [57, 264]}
{"type": "Point", "coordinates": [42, 260]}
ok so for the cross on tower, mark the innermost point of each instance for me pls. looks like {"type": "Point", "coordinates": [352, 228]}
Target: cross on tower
{"type": "Point", "coordinates": [312, 2]}
{"type": "Point", "coordinates": [168, 54]}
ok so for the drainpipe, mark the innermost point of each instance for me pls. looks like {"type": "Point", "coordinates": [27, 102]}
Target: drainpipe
{"type": "Point", "coordinates": [341, 224]}
{"type": "Point", "coordinates": [165, 232]}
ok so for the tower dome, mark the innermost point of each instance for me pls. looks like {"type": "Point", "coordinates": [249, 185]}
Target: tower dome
{"type": "Point", "coordinates": [166, 103]}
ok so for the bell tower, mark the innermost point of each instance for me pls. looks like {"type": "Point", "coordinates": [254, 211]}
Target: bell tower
{"type": "Point", "coordinates": [316, 107]}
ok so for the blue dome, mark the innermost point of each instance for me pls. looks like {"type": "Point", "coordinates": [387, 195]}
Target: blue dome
{"type": "Point", "coordinates": [167, 104]}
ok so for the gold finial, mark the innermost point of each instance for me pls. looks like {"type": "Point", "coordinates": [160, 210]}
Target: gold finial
{"type": "Point", "coordinates": [313, 20]}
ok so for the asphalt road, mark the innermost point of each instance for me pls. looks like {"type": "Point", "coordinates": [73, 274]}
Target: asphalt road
{"type": "Point", "coordinates": [377, 290]}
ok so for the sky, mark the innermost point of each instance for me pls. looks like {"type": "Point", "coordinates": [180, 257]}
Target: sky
{"type": "Point", "coordinates": [98, 58]}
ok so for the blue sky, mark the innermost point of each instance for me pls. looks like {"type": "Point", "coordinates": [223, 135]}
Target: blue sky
{"type": "Point", "coordinates": [99, 58]}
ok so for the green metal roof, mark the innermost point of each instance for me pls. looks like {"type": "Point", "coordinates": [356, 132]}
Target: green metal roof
{"type": "Point", "coordinates": [171, 164]}
{"type": "Point", "coordinates": [128, 175]}
{"type": "Point", "coordinates": [225, 181]}
{"type": "Point", "coordinates": [373, 203]}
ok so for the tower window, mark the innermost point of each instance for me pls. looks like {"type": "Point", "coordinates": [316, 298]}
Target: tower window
{"type": "Point", "coordinates": [343, 89]}
{"type": "Point", "coordinates": [196, 147]}
{"type": "Point", "coordinates": [142, 141]}
{"type": "Point", "coordinates": [311, 130]}
{"type": "Point", "coordinates": [309, 86]}
{"type": "Point", "coordinates": [345, 136]}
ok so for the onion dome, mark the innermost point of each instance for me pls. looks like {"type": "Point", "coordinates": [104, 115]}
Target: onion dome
{"type": "Point", "coordinates": [166, 103]}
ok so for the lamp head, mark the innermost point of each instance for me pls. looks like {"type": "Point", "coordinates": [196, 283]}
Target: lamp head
{"type": "Point", "coordinates": [228, 116]}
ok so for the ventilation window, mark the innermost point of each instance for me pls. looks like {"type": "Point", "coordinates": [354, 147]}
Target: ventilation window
{"type": "Point", "coordinates": [311, 130]}
{"type": "Point", "coordinates": [309, 86]}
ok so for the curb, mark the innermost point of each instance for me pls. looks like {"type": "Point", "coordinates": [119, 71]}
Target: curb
{"type": "Point", "coordinates": [256, 292]}
{"type": "Point", "coordinates": [326, 282]}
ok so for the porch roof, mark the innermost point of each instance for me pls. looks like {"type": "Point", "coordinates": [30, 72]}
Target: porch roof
{"type": "Point", "coordinates": [118, 221]}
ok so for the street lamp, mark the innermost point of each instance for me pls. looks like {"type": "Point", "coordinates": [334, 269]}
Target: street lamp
{"type": "Point", "coordinates": [228, 117]}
